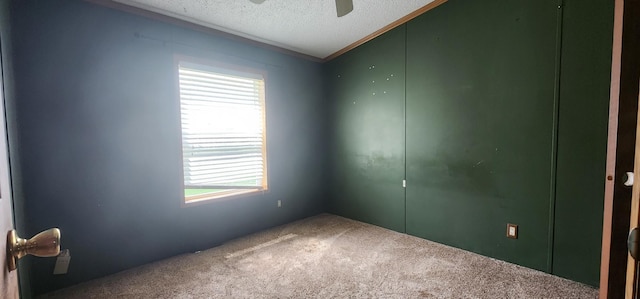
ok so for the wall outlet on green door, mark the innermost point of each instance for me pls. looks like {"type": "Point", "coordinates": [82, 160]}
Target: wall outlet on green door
{"type": "Point", "coordinates": [512, 231]}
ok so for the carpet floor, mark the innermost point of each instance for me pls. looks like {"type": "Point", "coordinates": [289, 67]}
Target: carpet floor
{"type": "Point", "coordinates": [327, 256]}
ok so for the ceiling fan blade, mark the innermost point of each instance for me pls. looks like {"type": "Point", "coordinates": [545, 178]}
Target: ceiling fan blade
{"type": "Point", "coordinates": [257, 1]}
{"type": "Point", "coordinates": [344, 7]}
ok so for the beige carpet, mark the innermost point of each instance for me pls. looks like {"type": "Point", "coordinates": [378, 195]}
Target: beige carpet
{"type": "Point", "coordinates": [327, 256]}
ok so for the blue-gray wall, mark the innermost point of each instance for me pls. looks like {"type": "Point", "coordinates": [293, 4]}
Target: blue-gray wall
{"type": "Point", "coordinates": [94, 118]}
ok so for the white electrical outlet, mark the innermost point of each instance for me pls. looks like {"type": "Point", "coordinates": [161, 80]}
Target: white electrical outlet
{"type": "Point", "coordinates": [279, 203]}
{"type": "Point", "coordinates": [512, 231]}
{"type": "Point", "coordinates": [62, 262]}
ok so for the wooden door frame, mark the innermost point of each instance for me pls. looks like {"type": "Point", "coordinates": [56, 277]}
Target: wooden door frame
{"type": "Point", "coordinates": [623, 117]}
{"type": "Point", "coordinates": [632, 265]}
{"type": "Point", "coordinates": [614, 106]}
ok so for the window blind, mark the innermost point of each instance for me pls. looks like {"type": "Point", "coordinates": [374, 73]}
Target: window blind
{"type": "Point", "coordinates": [223, 141]}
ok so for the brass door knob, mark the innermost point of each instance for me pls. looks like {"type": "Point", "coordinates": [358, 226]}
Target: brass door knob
{"type": "Point", "coordinates": [44, 244]}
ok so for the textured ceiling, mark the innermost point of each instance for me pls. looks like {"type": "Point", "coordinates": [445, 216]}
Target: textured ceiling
{"type": "Point", "coordinates": [310, 27]}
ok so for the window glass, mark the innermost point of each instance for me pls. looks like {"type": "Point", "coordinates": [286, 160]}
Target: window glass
{"type": "Point", "coordinates": [223, 131]}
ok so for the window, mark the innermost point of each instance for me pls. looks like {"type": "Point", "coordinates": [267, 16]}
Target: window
{"type": "Point", "coordinates": [223, 131]}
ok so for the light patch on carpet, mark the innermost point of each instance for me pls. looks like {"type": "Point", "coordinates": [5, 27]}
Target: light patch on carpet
{"type": "Point", "coordinates": [260, 246]}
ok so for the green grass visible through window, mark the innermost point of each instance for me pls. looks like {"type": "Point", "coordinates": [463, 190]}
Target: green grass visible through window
{"type": "Point", "coordinates": [192, 192]}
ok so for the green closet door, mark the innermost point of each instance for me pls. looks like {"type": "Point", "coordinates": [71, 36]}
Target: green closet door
{"type": "Point", "coordinates": [480, 123]}
{"type": "Point", "coordinates": [366, 89]}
